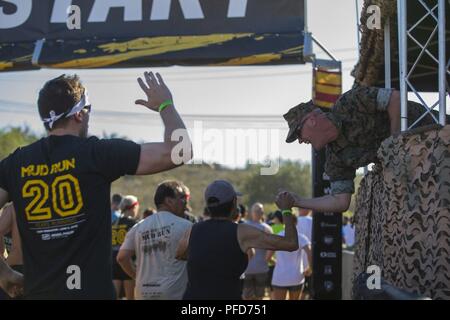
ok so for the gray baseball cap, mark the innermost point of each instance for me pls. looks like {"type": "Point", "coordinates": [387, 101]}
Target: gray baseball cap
{"type": "Point", "coordinates": [220, 192]}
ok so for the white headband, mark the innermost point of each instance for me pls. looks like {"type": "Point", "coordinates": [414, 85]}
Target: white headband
{"type": "Point", "coordinates": [76, 108]}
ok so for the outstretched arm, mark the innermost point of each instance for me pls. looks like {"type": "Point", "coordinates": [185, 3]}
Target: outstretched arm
{"type": "Point", "coordinates": [10, 280]}
{"type": "Point", "coordinates": [328, 203]}
{"type": "Point", "coordinates": [251, 237]}
{"type": "Point", "coordinates": [157, 157]}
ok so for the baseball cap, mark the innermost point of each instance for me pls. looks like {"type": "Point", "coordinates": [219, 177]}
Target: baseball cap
{"type": "Point", "coordinates": [220, 192]}
{"type": "Point", "coordinates": [294, 118]}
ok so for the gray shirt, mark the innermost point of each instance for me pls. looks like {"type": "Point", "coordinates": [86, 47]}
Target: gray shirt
{"type": "Point", "coordinates": [159, 276]}
{"type": "Point", "coordinates": [258, 263]}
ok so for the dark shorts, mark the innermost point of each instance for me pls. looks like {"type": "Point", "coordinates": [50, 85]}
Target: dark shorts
{"type": "Point", "coordinates": [118, 273]}
{"type": "Point", "coordinates": [255, 285]}
{"type": "Point", "coordinates": [269, 278]}
{"type": "Point", "coordinates": [308, 284]}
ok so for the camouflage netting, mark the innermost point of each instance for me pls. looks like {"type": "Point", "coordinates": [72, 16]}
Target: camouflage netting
{"type": "Point", "coordinates": [403, 214]}
{"type": "Point", "coordinates": [369, 70]}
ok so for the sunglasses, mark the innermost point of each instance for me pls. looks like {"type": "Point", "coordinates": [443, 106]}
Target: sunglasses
{"type": "Point", "coordinates": [185, 197]}
{"type": "Point", "coordinates": [87, 108]}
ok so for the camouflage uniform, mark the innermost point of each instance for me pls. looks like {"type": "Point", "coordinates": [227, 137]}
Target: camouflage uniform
{"type": "Point", "coordinates": [361, 117]}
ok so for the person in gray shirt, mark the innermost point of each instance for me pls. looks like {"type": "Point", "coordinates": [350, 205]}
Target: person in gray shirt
{"type": "Point", "coordinates": [256, 274]}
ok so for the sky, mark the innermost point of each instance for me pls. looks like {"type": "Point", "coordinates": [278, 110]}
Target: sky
{"type": "Point", "coordinates": [233, 113]}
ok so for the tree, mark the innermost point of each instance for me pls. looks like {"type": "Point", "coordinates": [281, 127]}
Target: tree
{"type": "Point", "coordinates": [14, 137]}
{"type": "Point", "coordinates": [292, 176]}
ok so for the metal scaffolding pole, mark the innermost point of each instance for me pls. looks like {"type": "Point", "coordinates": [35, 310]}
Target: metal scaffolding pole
{"type": "Point", "coordinates": [387, 54]}
{"type": "Point", "coordinates": [403, 62]}
{"type": "Point", "coordinates": [442, 63]}
{"type": "Point", "coordinates": [406, 76]}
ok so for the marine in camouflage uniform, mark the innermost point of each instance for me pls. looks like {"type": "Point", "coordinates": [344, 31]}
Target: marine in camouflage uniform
{"type": "Point", "coordinates": [361, 117]}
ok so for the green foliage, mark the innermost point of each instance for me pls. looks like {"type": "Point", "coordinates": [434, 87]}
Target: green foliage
{"type": "Point", "coordinates": [14, 137]}
{"type": "Point", "coordinates": [292, 176]}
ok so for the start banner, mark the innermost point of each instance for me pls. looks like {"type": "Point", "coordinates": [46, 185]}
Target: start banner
{"type": "Point", "coordinates": [137, 33]}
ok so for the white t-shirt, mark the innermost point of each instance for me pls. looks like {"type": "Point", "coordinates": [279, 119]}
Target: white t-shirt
{"type": "Point", "coordinates": [349, 235]}
{"type": "Point", "coordinates": [304, 226]}
{"type": "Point", "coordinates": [289, 266]}
{"type": "Point", "coordinates": [159, 276]}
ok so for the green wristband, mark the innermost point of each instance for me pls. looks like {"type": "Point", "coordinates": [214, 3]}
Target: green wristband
{"type": "Point", "coordinates": [286, 213]}
{"type": "Point", "coordinates": [164, 105]}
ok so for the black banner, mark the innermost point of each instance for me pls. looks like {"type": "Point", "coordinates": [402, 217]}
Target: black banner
{"type": "Point", "coordinates": [326, 239]}
{"type": "Point", "coordinates": [130, 33]}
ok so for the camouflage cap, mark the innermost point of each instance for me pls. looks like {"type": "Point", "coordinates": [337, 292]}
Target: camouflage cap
{"type": "Point", "coordinates": [294, 119]}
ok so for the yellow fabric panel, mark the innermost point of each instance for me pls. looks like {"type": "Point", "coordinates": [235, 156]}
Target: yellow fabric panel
{"type": "Point", "coordinates": [328, 89]}
{"type": "Point", "coordinates": [326, 78]}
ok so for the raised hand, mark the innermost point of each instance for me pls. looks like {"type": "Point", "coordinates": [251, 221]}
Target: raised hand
{"type": "Point", "coordinates": [155, 90]}
{"type": "Point", "coordinates": [285, 200]}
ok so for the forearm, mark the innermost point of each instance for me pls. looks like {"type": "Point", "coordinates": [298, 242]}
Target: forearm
{"type": "Point", "coordinates": [309, 255]}
{"type": "Point", "coordinates": [128, 267]}
{"type": "Point", "coordinates": [15, 257]}
{"type": "Point", "coordinates": [5, 270]}
{"type": "Point", "coordinates": [327, 203]}
{"type": "Point", "coordinates": [172, 121]}
{"type": "Point", "coordinates": [291, 232]}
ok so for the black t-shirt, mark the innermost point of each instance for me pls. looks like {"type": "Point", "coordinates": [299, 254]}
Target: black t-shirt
{"type": "Point", "coordinates": [60, 186]}
{"type": "Point", "coordinates": [119, 230]}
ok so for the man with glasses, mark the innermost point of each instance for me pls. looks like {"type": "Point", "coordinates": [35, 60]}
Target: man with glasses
{"type": "Point", "coordinates": [352, 133]}
{"type": "Point", "coordinates": [187, 208]}
{"type": "Point", "coordinates": [60, 187]}
{"type": "Point", "coordinates": [154, 241]}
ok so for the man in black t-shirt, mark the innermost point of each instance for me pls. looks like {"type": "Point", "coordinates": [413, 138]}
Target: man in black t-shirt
{"type": "Point", "coordinates": [129, 210]}
{"type": "Point", "coordinates": [60, 187]}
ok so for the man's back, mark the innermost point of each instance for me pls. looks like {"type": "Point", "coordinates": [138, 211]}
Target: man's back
{"type": "Point", "coordinates": [215, 261]}
{"type": "Point", "coordinates": [361, 117]}
{"type": "Point", "coordinates": [60, 186]}
{"type": "Point", "coordinates": [155, 239]}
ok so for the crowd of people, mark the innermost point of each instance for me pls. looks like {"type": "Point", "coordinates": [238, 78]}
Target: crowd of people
{"type": "Point", "coordinates": [68, 240]}
{"type": "Point", "coordinates": [172, 256]}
